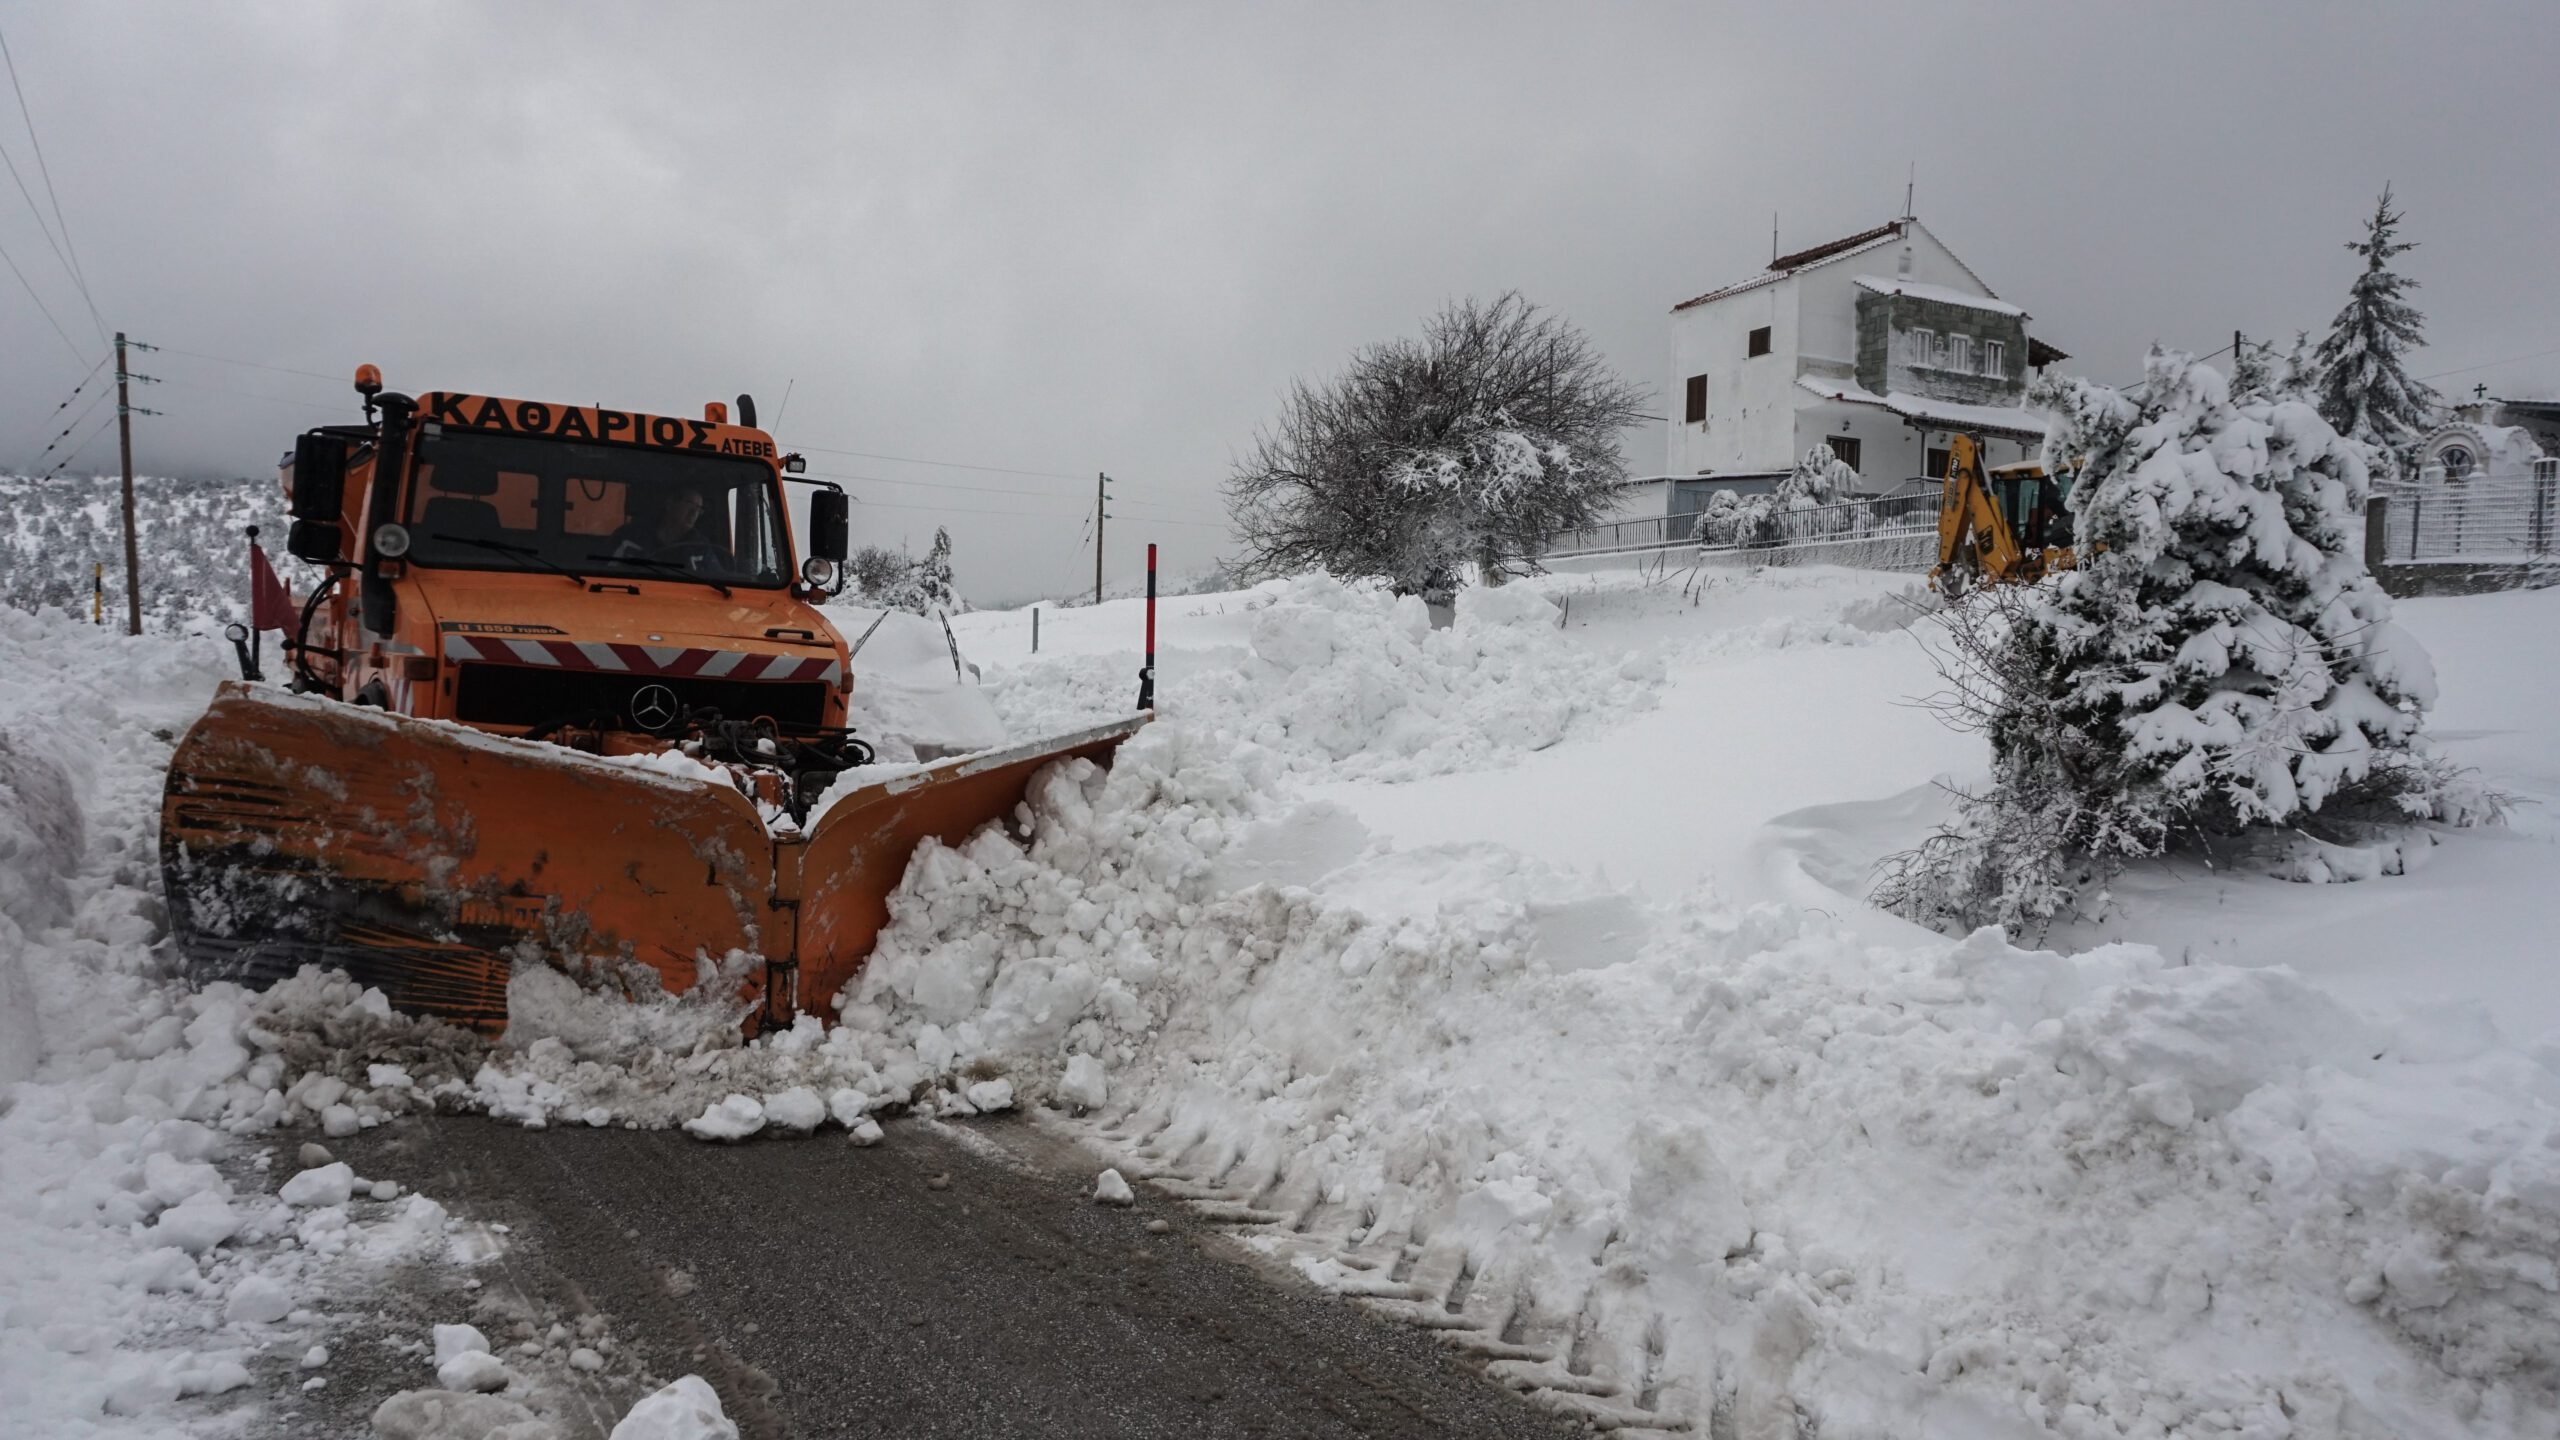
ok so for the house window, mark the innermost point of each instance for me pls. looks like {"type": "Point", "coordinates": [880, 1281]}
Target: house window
{"type": "Point", "coordinates": [1960, 353]}
{"type": "Point", "coordinates": [1697, 408]}
{"type": "Point", "coordinates": [1937, 467]}
{"type": "Point", "coordinates": [1995, 357]}
{"type": "Point", "coordinates": [1760, 341]}
{"type": "Point", "coordinates": [1938, 351]}
{"type": "Point", "coordinates": [1918, 343]}
{"type": "Point", "coordinates": [1846, 447]}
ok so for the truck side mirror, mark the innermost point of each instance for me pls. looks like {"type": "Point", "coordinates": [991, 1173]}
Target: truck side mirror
{"type": "Point", "coordinates": [313, 540]}
{"type": "Point", "coordinates": [830, 524]}
{"type": "Point", "coordinates": [319, 477]}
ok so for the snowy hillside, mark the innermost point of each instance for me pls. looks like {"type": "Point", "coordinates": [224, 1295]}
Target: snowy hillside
{"type": "Point", "coordinates": [1516, 976]}
{"type": "Point", "coordinates": [194, 554]}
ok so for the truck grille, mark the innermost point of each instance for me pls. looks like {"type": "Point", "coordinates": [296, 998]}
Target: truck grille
{"type": "Point", "coordinates": [538, 695]}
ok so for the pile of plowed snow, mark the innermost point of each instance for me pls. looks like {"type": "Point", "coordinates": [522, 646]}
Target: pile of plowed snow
{"type": "Point", "coordinates": [1859, 1177]}
{"type": "Point", "coordinates": [1348, 681]}
{"type": "Point", "coordinates": [144, 1256]}
{"type": "Point", "coordinates": [1968, 1188]}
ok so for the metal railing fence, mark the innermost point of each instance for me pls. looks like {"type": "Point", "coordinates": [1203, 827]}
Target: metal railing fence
{"type": "Point", "coordinates": [2514, 517]}
{"type": "Point", "coordinates": [1754, 527]}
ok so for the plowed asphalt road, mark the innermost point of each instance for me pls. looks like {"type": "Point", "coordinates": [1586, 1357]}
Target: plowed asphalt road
{"type": "Point", "coordinates": [947, 1282]}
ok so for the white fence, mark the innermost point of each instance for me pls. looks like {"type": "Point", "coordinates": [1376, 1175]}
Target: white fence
{"type": "Point", "coordinates": [2479, 518]}
{"type": "Point", "coordinates": [1899, 533]}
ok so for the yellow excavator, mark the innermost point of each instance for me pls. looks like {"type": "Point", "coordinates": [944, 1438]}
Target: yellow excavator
{"type": "Point", "coordinates": [2005, 527]}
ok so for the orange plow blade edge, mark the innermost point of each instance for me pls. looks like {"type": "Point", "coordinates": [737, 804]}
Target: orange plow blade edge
{"type": "Point", "coordinates": [858, 851]}
{"type": "Point", "coordinates": [428, 859]}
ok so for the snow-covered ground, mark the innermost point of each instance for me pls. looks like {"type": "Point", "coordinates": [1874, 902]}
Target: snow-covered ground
{"type": "Point", "coordinates": [146, 1254]}
{"type": "Point", "coordinates": [1537, 941]}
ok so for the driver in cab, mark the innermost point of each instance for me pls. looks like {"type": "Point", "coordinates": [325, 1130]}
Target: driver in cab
{"type": "Point", "coordinates": [669, 536]}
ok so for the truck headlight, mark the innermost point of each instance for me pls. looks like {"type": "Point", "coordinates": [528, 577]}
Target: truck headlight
{"type": "Point", "coordinates": [390, 541]}
{"type": "Point", "coordinates": [817, 574]}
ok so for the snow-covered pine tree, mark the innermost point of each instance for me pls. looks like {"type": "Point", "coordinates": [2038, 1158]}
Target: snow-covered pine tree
{"type": "Point", "coordinates": [2253, 371]}
{"type": "Point", "coordinates": [2299, 377]}
{"type": "Point", "coordinates": [2221, 660]}
{"type": "Point", "coordinates": [2365, 390]}
{"type": "Point", "coordinates": [933, 574]}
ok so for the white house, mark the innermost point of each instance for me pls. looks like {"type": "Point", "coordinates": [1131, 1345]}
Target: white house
{"type": "Point", "coordinates": [1881, 345]}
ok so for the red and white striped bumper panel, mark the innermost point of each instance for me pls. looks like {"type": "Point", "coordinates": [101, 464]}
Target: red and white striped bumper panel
{"type": "Point", "coordinates": [674, 660]}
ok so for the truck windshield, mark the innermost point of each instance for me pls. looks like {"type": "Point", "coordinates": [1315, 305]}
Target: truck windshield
{"type": "Point", "coordinates": [509, 502]}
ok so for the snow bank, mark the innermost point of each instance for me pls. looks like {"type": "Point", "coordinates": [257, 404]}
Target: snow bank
{"type": "Point", "coordinates": [908, 693]}
{"type": "Point", "coordinates": [1346, 681]}
{"type": "Point", "coordinates": [1799, 1167]}
{"type": "Point", "coordinates": [1936, 1180]}
{"type": "Point", "coordinates": [141, 1261]}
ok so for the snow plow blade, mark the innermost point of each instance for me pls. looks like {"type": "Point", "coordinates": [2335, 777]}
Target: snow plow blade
{"type": "Point", "coordinates": [857, 853]}
{"type": "Point", "coordinates": [427, 859]}
{"type": "Point", "coordinates": [423, 857]}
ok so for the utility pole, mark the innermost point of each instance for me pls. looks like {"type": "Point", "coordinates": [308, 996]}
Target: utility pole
{"type": "Point", "coordinates": [1101, 512]}
{"type": "Point", "coordinates": [132, 549]}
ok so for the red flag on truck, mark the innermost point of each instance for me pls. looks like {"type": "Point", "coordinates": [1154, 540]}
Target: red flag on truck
{"type": "Point", "coordinates": [270, 607]}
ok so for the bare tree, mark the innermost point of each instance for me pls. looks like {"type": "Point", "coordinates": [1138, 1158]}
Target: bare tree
{"type": "Point", "coordinates": [1468, 446]}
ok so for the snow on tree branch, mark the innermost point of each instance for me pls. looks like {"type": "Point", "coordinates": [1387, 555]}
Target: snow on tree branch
{"type": "Point", "coordinates": [2219, 661]}
{"type": "Point", "coordinates": [1468, 446]}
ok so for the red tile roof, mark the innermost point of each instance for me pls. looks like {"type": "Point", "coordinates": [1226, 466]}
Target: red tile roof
{"type": "Point", "coordinates": [1784, 265]}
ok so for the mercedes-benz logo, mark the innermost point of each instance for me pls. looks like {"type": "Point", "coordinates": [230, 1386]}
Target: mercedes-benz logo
{"type": "Point", "coordinates": [654, 707]}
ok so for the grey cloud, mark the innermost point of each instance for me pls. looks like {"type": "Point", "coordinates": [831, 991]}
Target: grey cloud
{"type": "Point", "coordinates": [1077, 238]}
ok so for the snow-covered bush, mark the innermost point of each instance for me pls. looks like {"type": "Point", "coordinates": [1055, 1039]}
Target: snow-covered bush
{"type": "Point", "coordinates": [888, 578]}
{"type": "Point", "coordinates": [874, 569]}
{"type": "Point", "coordinates": [1715, 524]}
{"type": "Point", "coordinates": [1820, 478]}
{"type": "Point", "coordinates": [1466, 448]}
{"type": "Point", "coordinates": [2220, 661]}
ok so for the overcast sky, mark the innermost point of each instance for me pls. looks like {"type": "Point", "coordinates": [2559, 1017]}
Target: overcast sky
{"type": "Point", "coordinates": [1069, 239]}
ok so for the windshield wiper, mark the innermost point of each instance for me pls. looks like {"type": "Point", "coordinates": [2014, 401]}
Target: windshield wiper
{"type": "Point", "coordinates": [503, 548]}
{"type": "Point", "coordinates": [665, 567]}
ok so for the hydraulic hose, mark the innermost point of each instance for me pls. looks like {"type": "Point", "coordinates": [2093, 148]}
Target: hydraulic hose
{"type": "Point", "coordinates": [302, 632]}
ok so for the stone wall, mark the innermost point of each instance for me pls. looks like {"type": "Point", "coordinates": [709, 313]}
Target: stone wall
{"type": "Point", "coordinates": [1882, 366]}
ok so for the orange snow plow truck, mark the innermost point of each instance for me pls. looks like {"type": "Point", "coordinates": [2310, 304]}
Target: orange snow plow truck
{"type": "Point", "coordinates": [563, 696]}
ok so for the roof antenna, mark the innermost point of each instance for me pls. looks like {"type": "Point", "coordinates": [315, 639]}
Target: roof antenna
{"type": "Point", "coordinates": [1910, 183]}
{"type": "Point", "coordinates": [1773, 239]}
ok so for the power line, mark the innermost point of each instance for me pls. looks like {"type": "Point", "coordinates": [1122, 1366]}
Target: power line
{"type": "Point", "coordinates": [946, 464]}
{"type": "Point", "coordinates": [77, 450]}
{"type": "Point", "coordinates": [65, 432]}
{"type": "Point", "coordinates": [40, 305]}
{"type": "Point", "coordinates": [977, 489]}
{"type": "Point", "coordinates": [1022, 514]}
{"type": "Point", "coordinates": [937, 485]}
{"type": "Point", "coordinates": [42, 226]}
{"type": "Point", "coordinates": [2490, 365]}
{"type": "Point", "coordinates": [253, 395]}
{"type": "Point", "coordinates": [75, 392]}
{"type": "Point", "coordinates": [79, 276]}
{"type": "Point", "coordinates": [2129, 384]}
{"type": "Point", "coordinates": [252, 364]}
{"type": "Point", "coordinates": [1163, 505]}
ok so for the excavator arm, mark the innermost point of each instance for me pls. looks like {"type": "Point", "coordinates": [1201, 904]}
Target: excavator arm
{"type": "Point", "coordinates": [1974, 540]}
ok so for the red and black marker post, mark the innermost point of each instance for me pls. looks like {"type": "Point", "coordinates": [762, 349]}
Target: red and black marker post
{"type": "Point", "coordinates": [1147, 672]}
